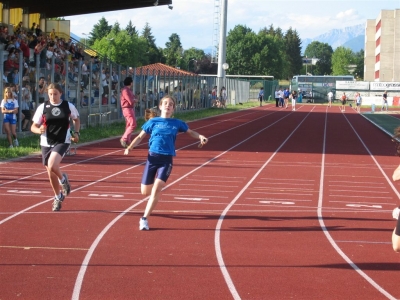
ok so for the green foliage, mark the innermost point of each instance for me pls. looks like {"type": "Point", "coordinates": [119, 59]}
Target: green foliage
{"type": "Point", "coordinates": [123, 49]}
{"type": "Point", "coordinates": [323, 52]}
{"type": "Point", "coordinates": [253, 54]}
{"type": "Point", "coordinates": [359, 62]}
{"type": "Point", "coordinates": [341, 59]}
{"type": "Point", "coordinates": [100, 30]}
{"type": "Point", "coordinates": [131, 29]}
{"type": "Point", "coordinates": [191, 58]}
{"type": "Point", "coordinates": [293, 56]}
{"type": "Point", "coordinates": [173, 50]}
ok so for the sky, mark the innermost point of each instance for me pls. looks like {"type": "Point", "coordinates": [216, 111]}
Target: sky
{"type": "Point", "coordinates": [193, 20]}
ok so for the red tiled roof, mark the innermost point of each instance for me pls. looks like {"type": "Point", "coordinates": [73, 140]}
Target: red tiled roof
{"type": "Point", "coordinates": [159, 67]}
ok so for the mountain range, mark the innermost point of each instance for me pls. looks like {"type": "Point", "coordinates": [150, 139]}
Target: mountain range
{"type": "Point", "coordinates": [351, 37]}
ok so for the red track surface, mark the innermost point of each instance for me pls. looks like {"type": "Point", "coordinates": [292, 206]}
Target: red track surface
{"type": "Point", "coordinates": [277, 205]}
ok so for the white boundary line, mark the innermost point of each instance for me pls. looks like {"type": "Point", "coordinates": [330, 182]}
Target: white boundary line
{"type": "Point", "coordinates": [85, 263]}
{"type": "Point", "coordinates": [321, 219]}
{"type": "Point", "coordinates": [217, 241]}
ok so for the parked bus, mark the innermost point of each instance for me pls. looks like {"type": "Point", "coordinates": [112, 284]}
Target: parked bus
{"type": "Point", "coordinates": [316, 88]}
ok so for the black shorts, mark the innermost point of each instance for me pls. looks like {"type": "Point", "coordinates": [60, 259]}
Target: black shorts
{"type": "Point", "coordinates": [398, 227]}
{"type": "Point", "coordinates": [157, 166]}
{"type": "Point", "coordinates": [58, 148]}
{"type": "Point", "coordinates": [27, 114]}
{"type": "Point", "coordinates": [343, 102]}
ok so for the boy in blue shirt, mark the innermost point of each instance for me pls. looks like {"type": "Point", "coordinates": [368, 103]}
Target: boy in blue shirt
{"type": "Point", "coordinates": [163, 131]}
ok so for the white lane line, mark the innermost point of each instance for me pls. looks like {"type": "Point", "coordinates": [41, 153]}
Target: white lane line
{"type": "Point", "coordinates": [360, 202]}
{"type": "Point", "coordinates": [361, 196]}
{"type": "Point", "coordinates": [321, 219]}
{"type": "Point", "coordinates": [217, 240]}
{"type": "Point", "coordinates": [360, 191]}
{"type": "Point", "coordinates": [364, 242]}
{"type": "Point", "coordinates": [85, 263]}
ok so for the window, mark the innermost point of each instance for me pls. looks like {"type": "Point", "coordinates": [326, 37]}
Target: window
{"type": "Point", "coordinates": [378, 42]}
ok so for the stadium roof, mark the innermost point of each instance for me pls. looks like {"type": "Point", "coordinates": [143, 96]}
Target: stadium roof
{"type": "Point", "coordinates": [79, 7]}
{"type": "Point", "coordinates": [159, 67]}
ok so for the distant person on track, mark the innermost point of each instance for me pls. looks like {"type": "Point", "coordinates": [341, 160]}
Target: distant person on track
{"type": "Point", "coordinates": [128, 102]}
{"type": "Point", "coordinates": [277, 98]}
{"type": "Point", "coordinates": [330, 98]}
{"type": "Point", "coordinates": [286, 95]}
{"type": "Point", "coordinates": [343, 99]}
{"type": "Point", "coordinates": [281, 101]}
{"type": "Point", "coordinates": [261, 95]}
{"type": "Point", "coordinates": [52, 122]}
{"type": "Point", "coordinates": [163, 131]}
{"type": "Point", "coordinates": [384, 101]}
{"type": "Point", "coordinates": [358, 102]}
{"type": "Point", "coordinates": [294, 99]}
{"type": "Point", "coordinates": [222, 97]}
{"type": "Point", "coordinates": [396, 211]}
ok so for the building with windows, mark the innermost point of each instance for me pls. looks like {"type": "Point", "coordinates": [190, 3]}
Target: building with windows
{"type": "Point", "coordinates": [382, 47]}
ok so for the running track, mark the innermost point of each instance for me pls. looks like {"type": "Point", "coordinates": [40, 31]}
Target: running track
{"type": "Point", "coordinates": [277, 205]}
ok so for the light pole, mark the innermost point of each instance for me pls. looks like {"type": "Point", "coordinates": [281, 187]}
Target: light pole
{"type": "Point", "coordinates": [85, 38]}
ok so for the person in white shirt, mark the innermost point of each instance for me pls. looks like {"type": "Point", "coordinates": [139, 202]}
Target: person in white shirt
{"type": "Point", "coordinates": [277, 98]}
{"type": "Point", "coordinates": [330, 98]}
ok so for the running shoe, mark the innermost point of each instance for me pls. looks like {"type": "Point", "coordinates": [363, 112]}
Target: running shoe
{"type": "Point", "coordinates": [57, 202]}
{"type": "Point", "coordinates": [123, 143]}
{"type": "Point", "coordinates": [143, 224]}
{"type": "Point", "coordinates": [16, 144]}
{"type": "Point", "coordinates": [66, 187]}
{"type": "Point", "coordinates": [396, 212]}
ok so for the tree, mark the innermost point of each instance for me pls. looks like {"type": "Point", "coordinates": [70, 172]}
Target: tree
{"type": "Point", "coordinates": [323, 52]}
{"type": "Point", "coordinates": [293, 53]}
{"type": "Point", "coordinates": [130, 29]}
{"type": "Point", "coordinates": [116, 28]}
{"type": "Point", "coordinates": [123, 49]}
{"type": "Point", "coordinates": [173, 50]}
{"type": "Point", "coordinates": [341, 59]}
{"type": "Point", "coordinates": [100, 30]}
{"type": "Point", "coordinates": [253, 54]}
{"type": "Point", "coordinates": [152, 52]}
{"type": "Point", "coordinates": [359, 62]}
{"type": "Point", "coordinates": [191, 57]}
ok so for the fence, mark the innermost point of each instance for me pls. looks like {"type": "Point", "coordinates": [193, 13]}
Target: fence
{"type": "Point", "coordinates": [95, 90]}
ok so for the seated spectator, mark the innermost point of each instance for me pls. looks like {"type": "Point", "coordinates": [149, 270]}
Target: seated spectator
{"type": "Point", "coordinates": [114, 98]}
{"type": "Point", "coordinates": [104, 100]}
{"type": "Point", "coordinates": [10, 64]}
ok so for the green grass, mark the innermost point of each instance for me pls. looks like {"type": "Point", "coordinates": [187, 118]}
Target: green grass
{"type": "Point", "coordinates": [29, 143]}
{"type": "Point", "coordinates": [385, 122]}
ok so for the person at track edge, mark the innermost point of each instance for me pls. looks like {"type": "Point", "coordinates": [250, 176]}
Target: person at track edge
{"type": "Point", "coordinates": [286, 95]}
{"type": "Point", "coordinates": [330, 98]}
{"type": "Point", "coordinates": [163, 131]}
{"type": "Point", "coordinates": [396, 211]}
{"type": "Point", "coordinates": [276, 98]}
{"type": "Point", "coordinates": [52, 122]}
{"type": "Point", "coordinates": [384, 101]}
{"type": "Point", "coordinates": [261, 95]}
{"type": "Point", "coordinates": [128, 110]}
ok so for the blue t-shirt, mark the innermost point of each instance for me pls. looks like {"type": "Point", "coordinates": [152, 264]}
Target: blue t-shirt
{"type": "Point", "coordinates": [163, 133]}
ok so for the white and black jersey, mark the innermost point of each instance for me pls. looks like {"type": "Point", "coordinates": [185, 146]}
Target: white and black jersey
{"type": "Point", "coordinates": [56, 117]}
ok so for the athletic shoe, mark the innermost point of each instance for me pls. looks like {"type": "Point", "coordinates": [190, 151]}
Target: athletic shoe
{"type": "Point", "coordinates": [396, 213]}
{"type": "Point", "coordinates": [57, 202]}
{"type": "Point", "coordinates": [123, 143]}
{"type": "Point", "coordinates": [143, 224]}
{"type": "Point", "coordinates": [11, 146]}
{"type": "Point", "coordinates": [16, 144]}
{"type": "Point", "coordinates": [66, 187]}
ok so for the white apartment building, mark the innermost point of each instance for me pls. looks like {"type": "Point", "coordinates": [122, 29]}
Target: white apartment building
{"type": "Point", "coordinates": [382, 47]}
